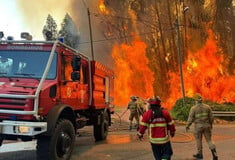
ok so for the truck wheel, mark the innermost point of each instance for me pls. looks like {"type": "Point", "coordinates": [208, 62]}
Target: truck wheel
{"type": "Point", "coordinates": [101, 130]}
{"type": "Point", "coordinates": [60, 145]}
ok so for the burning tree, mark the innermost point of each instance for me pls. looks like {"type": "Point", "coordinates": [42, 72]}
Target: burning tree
{"type": "Point", "coordinates": [153, 22]}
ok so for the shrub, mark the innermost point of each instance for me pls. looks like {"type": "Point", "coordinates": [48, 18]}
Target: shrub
{"type": "Point", "coordinates": [180, 111]}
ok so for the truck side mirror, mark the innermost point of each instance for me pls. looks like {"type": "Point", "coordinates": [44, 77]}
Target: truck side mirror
{"type": "Point", "coordinates": [76, 63]}
{"type": "Point", "coordinates": [75, 75]}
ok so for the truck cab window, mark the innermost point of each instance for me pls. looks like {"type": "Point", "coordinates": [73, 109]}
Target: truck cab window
{"type": "Point", "coordinates": [27, 64]}
{"type": "Point", "coordinates": [5, 64]}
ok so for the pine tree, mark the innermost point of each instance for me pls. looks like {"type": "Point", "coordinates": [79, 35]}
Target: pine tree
{"type": "Point", "coordinates": [69, 32]}
{"type": "Point", "coordinates": [50, 29]}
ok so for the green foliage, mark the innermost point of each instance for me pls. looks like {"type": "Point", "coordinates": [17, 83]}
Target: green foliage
{"type": "Point", "coordinates": [223, 107]}
{"type": "Point", "coordinates": [180, 111]}
{"type": "Point", "coordinates": [69, 32]}
{"type": "Point", "coordinates": [50, 29]}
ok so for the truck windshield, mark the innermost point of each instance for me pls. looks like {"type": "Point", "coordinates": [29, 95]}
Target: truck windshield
{"type": "Point", "coordinates": [27, 64]}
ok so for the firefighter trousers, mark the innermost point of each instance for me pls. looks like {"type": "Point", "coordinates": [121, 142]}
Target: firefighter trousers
{"type": "Point", "coordinates": [162, 151]}
{"type": "Point", "coordinates": [135, 116]}
{"type": "Point", "coordinates": [200, 131]}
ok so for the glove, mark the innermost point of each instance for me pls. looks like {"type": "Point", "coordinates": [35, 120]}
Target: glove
{"type": "Point", "coordinates": [172, 134]}
{"type": "Point", "coordinates": [140, 136]}
{"type": "Point", "coordinates": [187, 128]}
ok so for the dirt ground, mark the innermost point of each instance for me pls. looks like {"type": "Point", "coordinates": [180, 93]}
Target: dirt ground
{"type": "Point", "coordinates": [122, 144]}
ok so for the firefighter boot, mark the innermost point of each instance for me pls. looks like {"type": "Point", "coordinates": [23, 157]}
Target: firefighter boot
{"type": "Point", "coordinates": [198, 156]}
{"type": "Point", "coordinates": [214, 154]}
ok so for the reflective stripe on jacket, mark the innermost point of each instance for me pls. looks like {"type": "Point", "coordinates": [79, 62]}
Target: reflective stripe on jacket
{"type": "Point", "coordinates": [200, 114]}
{"type": "Point", "coordinates": [158, 127]}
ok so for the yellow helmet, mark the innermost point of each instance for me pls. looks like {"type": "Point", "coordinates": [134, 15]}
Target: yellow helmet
{"type": "Point", "coordinates": [197, 97]}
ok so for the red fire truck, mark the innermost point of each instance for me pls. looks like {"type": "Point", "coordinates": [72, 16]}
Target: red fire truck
{"type": "Point", "coordinates": [48, 91]}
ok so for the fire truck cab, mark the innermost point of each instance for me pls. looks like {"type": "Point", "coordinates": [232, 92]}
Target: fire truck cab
{"type": "Point", "coordinates": [48, 91]}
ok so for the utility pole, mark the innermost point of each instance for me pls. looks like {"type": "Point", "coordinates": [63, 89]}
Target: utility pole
{"type": "Point", "coordinates": [185, 9]}
{"type": "Point", "coordinates": [90, 30]}
{"type": "Point", "coordinates": [180, 58]}
{"type": "Point", "coordinates": [91, 38]}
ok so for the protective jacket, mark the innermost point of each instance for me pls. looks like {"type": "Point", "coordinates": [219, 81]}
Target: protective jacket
{"type": "Point", "coordinates": [132, 105]}
{"type": "Point", "coordinates": [158, 126]}
{"type": "Point", "coordinates": [200, 114]}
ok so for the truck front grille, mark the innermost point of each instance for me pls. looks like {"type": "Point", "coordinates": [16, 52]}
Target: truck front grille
{"type": "Point", "coordinates": [14, 103]}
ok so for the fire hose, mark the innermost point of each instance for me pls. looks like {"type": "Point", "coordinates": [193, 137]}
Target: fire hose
{"type": "Point", "coordinates": [186, 138]}
{"type": "Point", "coordinates": [120, 116]}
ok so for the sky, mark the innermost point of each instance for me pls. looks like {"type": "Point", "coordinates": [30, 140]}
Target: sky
{"type": "Point", "coordinates": [13, 21]}
{"type": "Point", "coordinates": [18, 16]}
{"type": "Point", "coordinates": [10, 17]}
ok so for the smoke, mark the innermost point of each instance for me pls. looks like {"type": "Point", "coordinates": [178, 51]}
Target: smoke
{"type": "Point", "coordinates": [102, 48]}
{"type": "Point", "coordinates": [35, 14]}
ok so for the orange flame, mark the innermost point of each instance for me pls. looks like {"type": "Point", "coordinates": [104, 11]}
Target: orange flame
{"type": "Point", "coordinates": [132, 74]}
{"type": "Point", "coordinates": [102, 7]}
{"type": "Point", "coordinates": [205, 73]}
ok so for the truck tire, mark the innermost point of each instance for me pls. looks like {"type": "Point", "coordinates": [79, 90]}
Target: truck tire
{"type": "Point", "coordinates": [60, 145]}
{"type": "Point", "coordinates": [101, 130]}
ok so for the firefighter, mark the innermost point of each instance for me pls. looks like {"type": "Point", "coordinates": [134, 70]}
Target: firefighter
{"type": "Point", "coordinates": [140, 109]}
{"type": "Point", "coordinates": [160, 125]}
{"type": "Point", "coordinates": [141, 106]}
{"type": "Point", "coordinates": [133, 107]}
{"type": "Point", "coordinates": [201, 115]}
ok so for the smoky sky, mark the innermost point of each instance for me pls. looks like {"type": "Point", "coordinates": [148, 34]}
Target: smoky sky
{"type": "Point", "coordinates": [35, 14]}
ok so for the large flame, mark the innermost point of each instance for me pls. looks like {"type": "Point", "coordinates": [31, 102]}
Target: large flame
{"type": "Point", "coordinates": [204, 72]}
{"type": "Point", "coordinates": [132, 74]}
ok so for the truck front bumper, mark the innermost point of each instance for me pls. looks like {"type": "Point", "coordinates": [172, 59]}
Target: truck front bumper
{"type": "Point", "coordinates": [22, 128]}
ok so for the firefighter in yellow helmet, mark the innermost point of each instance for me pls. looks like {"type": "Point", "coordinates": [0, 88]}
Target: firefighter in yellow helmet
{"type": "Point", "coordinates": [133, 107]}
{"type": "Point", "coordinates": [141, 108]}
{"type": "Point", "coordinates": [201, 115]}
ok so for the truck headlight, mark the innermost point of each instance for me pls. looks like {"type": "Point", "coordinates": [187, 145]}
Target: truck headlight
{"type": "Point", "coordinates": [23, 129]}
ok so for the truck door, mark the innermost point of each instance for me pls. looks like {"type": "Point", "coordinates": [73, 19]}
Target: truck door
{"type": "Point", "coordinates": [74, 87]}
